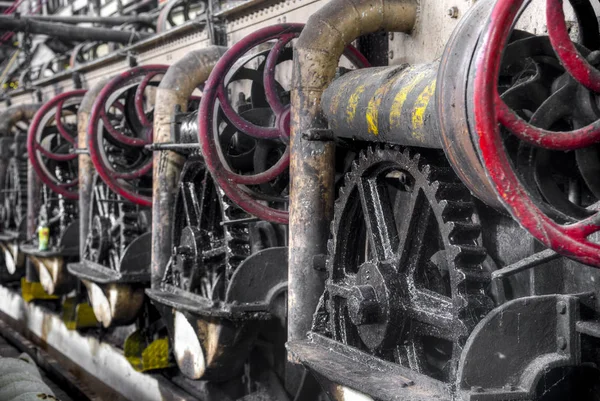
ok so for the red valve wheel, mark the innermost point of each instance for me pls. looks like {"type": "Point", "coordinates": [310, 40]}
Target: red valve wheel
{"type": "Point", "coordinates": [120, 128]}
{"type": "Point", "coordinates": [51, 142]}
{"type": "Point", "coordinates": [246, 149]}
{"type": "Point", "coordinates": [571, 237]}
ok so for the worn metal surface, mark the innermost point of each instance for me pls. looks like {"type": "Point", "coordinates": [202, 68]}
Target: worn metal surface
{"type": "Point", "coordinates": [85, 166]}
{"type": "Point", "coordinates": [392, 105]}
{"type": "Point", "coordinates": [312, 163]}
{"type": "Point", "coordinates": [175, 89]}
{"type": "Point", "coordinates": [363, 373]}
{"type": "Point", "coordinates": [517, 346]}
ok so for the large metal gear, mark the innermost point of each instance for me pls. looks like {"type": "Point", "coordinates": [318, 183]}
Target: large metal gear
{"type": "Point", "coordinates": [114, 224]}
{"type": "Point", "coordinates": [406, 282]}
{"type": "Point", "coordinates": [207, 246]}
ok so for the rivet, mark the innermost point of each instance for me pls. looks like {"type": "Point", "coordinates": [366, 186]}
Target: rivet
{"type": "Point", "coordinates": [391, 54]}
{"type": "Point", "coordinates": [562, 343]}
{"type": "Point", "coordinates": [453, 12]}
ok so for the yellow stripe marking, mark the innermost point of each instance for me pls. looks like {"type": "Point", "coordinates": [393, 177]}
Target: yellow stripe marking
{"type": "Point", "coordinates": [418, 115]}
{"type": "Point", "coordinates": [400, 99]}
{"type": "Point", "coordinates": [353, 103]}
{"type": "Point", "coordinates": [373, 109]}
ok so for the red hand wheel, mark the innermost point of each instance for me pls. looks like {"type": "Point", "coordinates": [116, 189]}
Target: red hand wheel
{"type": "Point", "coordinates": [246, 149]}
{"type": "Point", "coordinates": [118, 130]}
{"type": "Point", "coordinates": [51, 141]}
{"type": "Point", "coordinates": [568, 237]}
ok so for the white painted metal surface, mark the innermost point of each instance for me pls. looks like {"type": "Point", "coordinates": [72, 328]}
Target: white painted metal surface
{"type": "Point", "coordinates": [101, 360]}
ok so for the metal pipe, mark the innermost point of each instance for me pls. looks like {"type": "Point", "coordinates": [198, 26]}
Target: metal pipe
{"type": "Point", "coordinates": [393, 105]}
{"type": "Point", "coordinates": [318, 50]}
{"type": "Point", "coordinates": [14, 114]}
{"type": "Point", "coordinates": [86, 168]}
{"type": "Point", "coordinates": [69, 32]}
{"type": "Point", "coordinates": [174, 90]}
{"type": "Point", "coordinates": [8, 118]}
{"type": "Point", "coordinates": [84, 19]}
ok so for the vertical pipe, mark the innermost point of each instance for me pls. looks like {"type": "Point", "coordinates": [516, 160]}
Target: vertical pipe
{"type": "Point", "coordinates": [86, 168]}
{"type": "Point", "coordinates": [175, 89]}
{"type": "Point", "coordinates": [34, 204]}
{"type": "Point", "coordinates": [318, 50]}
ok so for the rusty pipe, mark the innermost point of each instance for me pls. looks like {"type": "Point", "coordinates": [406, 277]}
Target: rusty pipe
{"type": "Point", "coordinates": [394, 105]}
{"type": "Point", "coordinates": [174, 90]}
{"type": "Point", "coordinates": [14, 114]}
{"type": "Point", "coordinates": [86, 168]}
{"type": "Point", "coordinates": [70, 32]}
{"type": "Point", "coordinates": [316, 57]}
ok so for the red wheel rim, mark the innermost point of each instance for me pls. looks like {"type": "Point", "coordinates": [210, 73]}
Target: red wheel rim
{"type": "Point", "coordinates": [118, 180]}
{"type": "Point", "coordinates": [215, 95]}
{"type": "Point", "coordinates": [570, 239]}
{"type": "Point", "coordinates": [52, 111]}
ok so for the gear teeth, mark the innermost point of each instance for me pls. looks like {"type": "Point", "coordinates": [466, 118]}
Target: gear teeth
{"type": "Point", "coordinates": [456, 215]}
{"type": "Point", "coordinates": [454, 191]}
{"type": "Point", "coordinates": [464, 232]}
{"type": "Point", "coordinates": [462, 210]}
{"type": "Point", "coordinates": [470, 255]}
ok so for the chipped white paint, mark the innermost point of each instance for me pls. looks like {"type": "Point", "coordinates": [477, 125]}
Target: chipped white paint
{"type": "Point", "coordinates": [10, 261]}
{"type": "Point", "coordinates": [101, 360]}
{"type": "Point", "coordinates": [100, 303]}
{"type": "Point", "coordinates": [187, 348]}
{"type": "Point", "coordinates": [352, 395]}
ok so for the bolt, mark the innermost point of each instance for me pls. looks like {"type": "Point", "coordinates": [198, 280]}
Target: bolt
{"type": "Point", "coordinates": [362, 305]}
{"type": "Point", "coordinates": [561, 307]}
{"type": "Point", "coordinates": [391, 54]}
{"type": "Point", "coordinates": [477, 389]}
{"type": "Point", "coordinates": [184, 250]}
{"type": "Point", "coordinates": [453, 12]}
{"type": "Point", "coordinates": [320, 262]}
{"type": "Point", "coordinates": [562, 343]}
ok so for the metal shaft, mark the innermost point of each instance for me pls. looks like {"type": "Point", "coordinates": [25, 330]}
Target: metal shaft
{"type": "Point", "coordinates": [146, 19]}
{"type": "Point", "coordinates": [69, 32]}
{"type": "Point", "coordinates": [388, 104]}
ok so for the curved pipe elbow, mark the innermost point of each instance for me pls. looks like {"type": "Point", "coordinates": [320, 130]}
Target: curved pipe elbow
{"type": "Point", "coordinates": [14, 114]}
{"type": "Point", "coordinates": [179, 83]}
{"type": "Point", "coordinates": [175, 89]}
{"type": "Point", "coordinates": [335, 26]}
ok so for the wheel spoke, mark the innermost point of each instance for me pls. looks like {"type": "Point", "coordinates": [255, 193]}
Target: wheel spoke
{"type": "Point", "coordinates": [127, 140]}
{"type": "Point", "coordinates": [412, 229]}
{"type": "Point", "coordinates": [145, 169]}
{"type": "Point", "coordinates": [59, 124]}
{"type": "Point", "coordinates": [243, 125]}
{"type": "Point", "coordinates": [379, 218]}
{"type": "Point", "coordinates": [55, 156]}
{"type": "Point", "coordinates": [190, 204]}
{"type": "Point", "coordinates": [269, 74]}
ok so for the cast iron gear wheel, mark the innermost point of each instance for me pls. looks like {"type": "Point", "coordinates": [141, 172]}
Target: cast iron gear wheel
{"type": "Point", "coordinates": [406, 282]}
{"type": "Point", "coordinates": [114, 223]}
{"type": "Point", "coordinates": [207, 245]}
